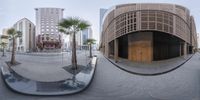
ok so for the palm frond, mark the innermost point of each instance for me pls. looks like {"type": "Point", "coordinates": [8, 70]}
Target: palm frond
{"type": "Point", "coordinates": [4, 37]}
{"type": "Point", "coordinates": [83, 25]}
{"type": "Point", "coordinates": [90, 41]}
{"type": "Point", "coordinates": [65, 24]}
{"type": "Point", "coordinates": [18, 34]}
{"type": "Point", "coordinates": [3, 44]}
{"type": "Point", "coordinates": [74, 20]}
{"type": "Point", "coordinates": [72, 25]}
{"type": "Point", "coordinates": [62, 30]}
{"type": "Point", "coordinates": [11, 32]}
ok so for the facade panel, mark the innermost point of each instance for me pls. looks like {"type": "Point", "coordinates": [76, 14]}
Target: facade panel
{"type": "Point", "coordinates": [173, 20]}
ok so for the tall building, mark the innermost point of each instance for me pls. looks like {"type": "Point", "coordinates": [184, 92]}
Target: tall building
{"type": "Point", "coordinates": [25, 43]}
{"type": "Point", "coordinates": [102, 13]}
{"type": "Point", "coordinates": [48, 36]}
{"type": "Point", "coordinates": [148, 32]}
{"type": "Point", "coordinates": [86, 34]}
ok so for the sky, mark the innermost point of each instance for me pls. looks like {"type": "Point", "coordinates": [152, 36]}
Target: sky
{"type": "Point", "coordinates": [13, 10]}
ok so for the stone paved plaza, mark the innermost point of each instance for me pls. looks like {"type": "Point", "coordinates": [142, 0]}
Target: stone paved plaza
{"type": "Point", "coordinates": [111, 82]}
{"type": "Point", "coordinates": [46, 68]}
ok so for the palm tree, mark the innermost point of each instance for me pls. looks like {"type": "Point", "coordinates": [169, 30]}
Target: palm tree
{"type": "Point", "coordinates": [71, 26]}
{"type": "Point", "coordinates": [90, 42]}
{"type": "Point", "coordinates": [3, 44]}
{"type": "Point", "coordinates": [13, 34]}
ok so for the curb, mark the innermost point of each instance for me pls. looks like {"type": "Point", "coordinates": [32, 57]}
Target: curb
{"type": "Point", "coordinates": [92, 63]}
{"type": "Point", "coordinates": [143, 74]}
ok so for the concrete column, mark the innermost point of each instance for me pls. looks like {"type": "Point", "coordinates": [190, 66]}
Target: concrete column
{"type": "Point", "coordinates": [185, 49]}
{"type": "Point", "coordinates": [116, 50]}
{"type": "Point", "coordinates": [106, 50]}
{"type": "Point", "coordinates": [180, 50]}
{"type": "Point", "coordinates": [188, 49]}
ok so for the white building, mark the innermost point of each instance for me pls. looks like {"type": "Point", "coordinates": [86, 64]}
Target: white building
{"type": "Point", "coordinates": [25, 43]}
{"type": "Point", "coordinates": [47, 20]}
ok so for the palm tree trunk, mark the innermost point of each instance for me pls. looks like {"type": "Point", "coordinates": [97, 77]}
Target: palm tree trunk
{"type": "Point", "coordinates": [90, 50]}
{"type": "Point", "coordinates": [13, 52]}
{"type": "Point", "coordinates": [74, 60]}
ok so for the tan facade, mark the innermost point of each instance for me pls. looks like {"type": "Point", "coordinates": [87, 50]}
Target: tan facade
{"type": "Point", "coordinates": [5, 33]}
{"type": "Point", "coordinates": [125, 19]}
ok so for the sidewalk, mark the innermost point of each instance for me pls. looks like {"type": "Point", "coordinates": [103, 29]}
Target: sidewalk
{"type": "Point", "coordinates": [154, 68]}
{"type": "Point", "coordinates": [45, 68]}
{"type": "Point", "coordinates": [46, 77]}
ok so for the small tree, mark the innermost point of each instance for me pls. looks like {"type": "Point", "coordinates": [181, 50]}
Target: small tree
{"type": "Point", "coordinates": [71, 26]}
{"type": "Point", "coordinates": [13, 34]}
{"type": "Point", "coordinates": [3, 44]}
{"type": "Point", "coordinates": [90, 42]}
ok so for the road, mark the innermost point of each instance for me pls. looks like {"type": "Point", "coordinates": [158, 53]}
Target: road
{"type": "Point", "coordinates": [112, 83]}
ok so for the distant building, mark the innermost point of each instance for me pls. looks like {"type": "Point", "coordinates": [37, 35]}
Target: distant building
{"type": "Point", "coordinates": [102, 13]}
{"type": "Point", "coordinates": [66, 44]}
{"type": "Point", "coordinates": [86, 34]}
{"type": "Point", "coordinates": [26, 43]}
{"type": "Point", "coordinates": [48, 36]}
{"type": "Point", "coordinates": [81, 38]}
{"type": "Point", "coordinates": [4, 32]}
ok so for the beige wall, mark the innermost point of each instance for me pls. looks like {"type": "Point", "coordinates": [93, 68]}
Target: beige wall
{"type": "Point", "coordinates": [140, 47]}
{"type": "Point", "coordinates": [167, 18]}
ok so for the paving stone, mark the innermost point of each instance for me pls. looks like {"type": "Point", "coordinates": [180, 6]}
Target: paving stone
{"type": "Point", "coordinates": [111, 82]}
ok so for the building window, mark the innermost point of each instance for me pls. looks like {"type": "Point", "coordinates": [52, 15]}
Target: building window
{"type": "Point", "coordinates": [152, 25]}
{"type": "Point", "coordinates": [144, 19]}
{"type": "Point", "coordinates": [166, 28]}
{"type": "Point", "coordinates": [20, 41]}
{"type": "Point", "coordinates": [47, 38]}
{"type": "Point", "coordinates": [159, 26]}
{"type": "Point", "coordinates": [144, 25]}
{"type": "Point", "coordinates": [152, 19]}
